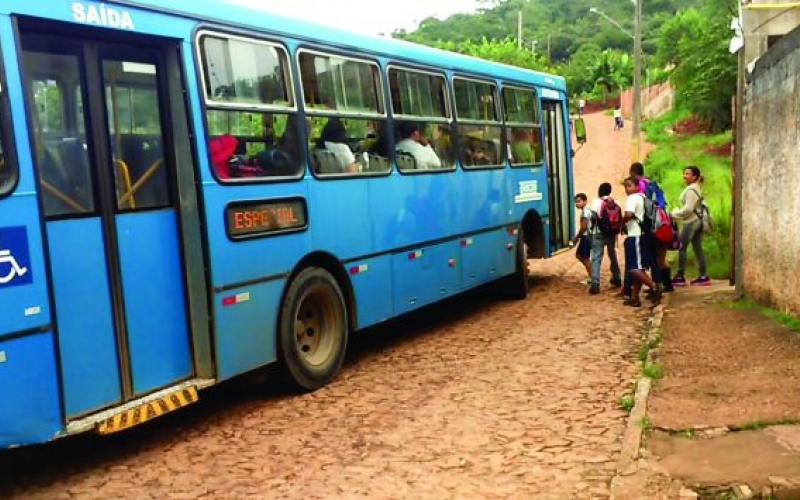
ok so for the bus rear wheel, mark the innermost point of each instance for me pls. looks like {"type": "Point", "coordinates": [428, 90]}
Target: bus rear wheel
{"type": "Point", "coordinates": [313, 329]}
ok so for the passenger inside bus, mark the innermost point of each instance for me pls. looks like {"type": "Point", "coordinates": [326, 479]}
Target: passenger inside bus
{"type": "Point", "coordinates": [413, 142]}
{"type": "Point", "coordinates": [479, 152]}
{"type": "Point", "coordinates": [332, 153]}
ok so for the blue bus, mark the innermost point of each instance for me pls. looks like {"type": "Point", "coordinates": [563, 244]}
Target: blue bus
{"type": "Point", "coordinates": [189, 196]}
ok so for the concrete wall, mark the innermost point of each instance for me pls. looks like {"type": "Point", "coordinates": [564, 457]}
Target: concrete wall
{"type": "Point", "coordinates": [760, 24]}
{"type": "Point", "coordinates": [656, 100]}
{"type": "Point", "coordinates": [770, 177]}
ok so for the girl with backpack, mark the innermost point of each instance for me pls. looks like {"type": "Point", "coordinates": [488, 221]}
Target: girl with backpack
{"type": "Point", "coordinates": [690, 215]}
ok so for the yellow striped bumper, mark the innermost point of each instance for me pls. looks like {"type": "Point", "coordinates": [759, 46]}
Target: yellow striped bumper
{"type": "Point", "coordinates": [147, 411]}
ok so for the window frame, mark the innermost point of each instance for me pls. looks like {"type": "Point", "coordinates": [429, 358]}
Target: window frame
{"type": "Point", "coordinates": [449, 109]}
{"type": "Point", "coordinates": [309, 113]}
{"type": "Point", "coordinates": [8, 186]}
{"type": "Point", "coordinates": [380, 86]}
{"type": "Point", "coordinates": [288, 74]}
{"type": "Point", "coordinates": [207, 105]}
{"type": "Point", "coordinates": [500, 121]}
{"type": "Point", "coordinates": [509, 124]}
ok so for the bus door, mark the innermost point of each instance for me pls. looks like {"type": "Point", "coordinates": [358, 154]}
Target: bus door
{"type": "Point", "coordinates": [99, 113]}
{"type": "Point", "coordinates": [558, 174]}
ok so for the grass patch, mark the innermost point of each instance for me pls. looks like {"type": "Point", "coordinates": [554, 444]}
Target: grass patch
{"type": "Point", "coordinates": [626, 402]}
{"type": "Point", "coordinates": [763, 424]}
{"type": "Point", "coordinates": [665, 164]}
{"type": "Point", "coordinates": [787, 320]}
{"type": "Point", "coordinates": [654, 371]}
{"type": "Point", "coordinates": [645, 423]}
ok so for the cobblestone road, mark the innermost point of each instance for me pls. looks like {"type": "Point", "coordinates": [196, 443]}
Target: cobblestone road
{"type": "Point", "coordinates": [477, 398]}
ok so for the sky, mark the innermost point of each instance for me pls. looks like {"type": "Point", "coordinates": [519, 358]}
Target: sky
{"type": "Point", "coordinates": [366, 16]}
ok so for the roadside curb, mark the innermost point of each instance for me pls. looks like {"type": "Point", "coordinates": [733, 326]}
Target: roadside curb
{"type": "Point", "coordinates": [632, 438]}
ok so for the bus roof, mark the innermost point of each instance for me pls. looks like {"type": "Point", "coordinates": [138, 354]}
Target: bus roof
{"type": "Point", "coordinates": [234, 14]}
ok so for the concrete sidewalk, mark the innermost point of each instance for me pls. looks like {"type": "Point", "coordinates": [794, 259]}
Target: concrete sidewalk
{"type": "Point", "coordinates": [720, 421]}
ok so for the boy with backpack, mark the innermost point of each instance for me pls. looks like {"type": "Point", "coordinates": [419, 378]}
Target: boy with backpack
{"type": "Point", "coordinates": [581, 238]}
{"type": "Point", "coordinates": [659, 225]}
{"type": "Point", "coordinates": [607, 224]}
{"type": "Point", "coordinates": [638, 255]}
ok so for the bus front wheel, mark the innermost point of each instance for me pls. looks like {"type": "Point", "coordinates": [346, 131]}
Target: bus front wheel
{"type": "Point", "coordinates": [313, 329]}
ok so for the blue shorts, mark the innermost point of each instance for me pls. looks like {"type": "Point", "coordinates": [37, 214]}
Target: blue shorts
{"type": "Point", "coordinates": [584, 248]}
{"type": "Point", "coordinates": [638, 254]}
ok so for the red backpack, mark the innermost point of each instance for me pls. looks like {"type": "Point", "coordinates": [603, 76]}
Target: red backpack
{"type": "Point", "coordinates": [662, 227]}
{"type": "Point", "coordinates": [609, 218]}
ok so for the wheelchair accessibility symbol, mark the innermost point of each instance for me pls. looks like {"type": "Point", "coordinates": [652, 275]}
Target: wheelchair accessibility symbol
{"type": "Point", "coordinates": [14, 257]}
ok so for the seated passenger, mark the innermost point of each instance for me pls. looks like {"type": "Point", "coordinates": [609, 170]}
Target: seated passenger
{"type": "Point", "coordinates": [226, 162]}
{"type": "Point", "coordinates": [476, 153]}
{"type": "Point", "coordinates": [414, 142]}
{"type": "Point", "coordinates": [222, 148]}
{"type": "Point", "coordinates": [521, 151]}
{"type": "Point", "coordinates": [334, 139]}
{"type": "Point", "coordinates": [380, 145]}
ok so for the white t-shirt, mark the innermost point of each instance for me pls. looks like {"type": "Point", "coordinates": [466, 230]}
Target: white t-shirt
{"type": "Point", "coordinates": [635, 205]}
{"type": "Point", "coordinates": [617, 113]}
{"type": "Point", "coordinates": [344, 155]}
{"type": "Point", "coordinates": [581, 103]}
{"type": "Point", "coordinates": [586, 213]}
{"type": "Point", "coordinates": [595, 207]}
{"type": "Point", "coordinates": [425, 156]}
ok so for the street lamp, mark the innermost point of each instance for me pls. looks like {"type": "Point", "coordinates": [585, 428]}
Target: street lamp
{"type": "Point", "coordinates": [601, 13]}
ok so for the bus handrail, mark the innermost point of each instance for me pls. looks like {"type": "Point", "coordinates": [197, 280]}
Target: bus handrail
{"type": "Point", "coordinates": [63, 197]}
{"type": "Point", "coordinates": [151, 170]}
{"type": "Point", "coordinates": [126, 175]}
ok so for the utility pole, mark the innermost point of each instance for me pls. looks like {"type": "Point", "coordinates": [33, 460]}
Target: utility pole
{"type": "Point", "coordinates": [519, 29]}
{"type": "Point", "coordinates": [637, 80]}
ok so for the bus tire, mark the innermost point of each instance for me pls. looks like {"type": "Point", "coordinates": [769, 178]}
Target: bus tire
{"type": "Point", "coordinates": [517, 285]}
{"type": "Point", "coordinates": [313, 330]}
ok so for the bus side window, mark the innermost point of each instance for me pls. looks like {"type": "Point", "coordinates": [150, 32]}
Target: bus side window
{"type": "Point", "coordinates": [523, 126]}
{"type": "Point", "coordinates": [260, 116]}
{"type": "Point", "coordinates": [334, 89]}
{"type": "Point", "coordinates": [425, 132]}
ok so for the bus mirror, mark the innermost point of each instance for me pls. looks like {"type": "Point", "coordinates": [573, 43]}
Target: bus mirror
{"type": "Point", "coordinates": [580, 130]}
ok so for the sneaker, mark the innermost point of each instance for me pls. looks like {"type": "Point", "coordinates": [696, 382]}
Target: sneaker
{"type": "Point", "coordinates": [701, 281]}
{"type": "Point", "coordinates": [679, 281]}
{"type": "Point", "coordinates": [594, 289]}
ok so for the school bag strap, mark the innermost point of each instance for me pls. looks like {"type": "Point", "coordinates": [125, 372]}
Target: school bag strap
{"type": "Point", "coordinates": [699, 202]}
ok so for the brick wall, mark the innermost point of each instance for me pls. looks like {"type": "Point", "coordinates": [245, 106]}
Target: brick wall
{"type": "Point", "coordinates": [656, 100]}
{"type": "Point", "coordinates": [770, 178]}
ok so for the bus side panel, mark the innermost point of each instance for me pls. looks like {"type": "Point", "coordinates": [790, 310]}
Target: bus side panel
{"type": "Point", "coordinates": [426, 274]}
{"type": "Point", "coordinates": [480, 258]}
{"type": "Point", "coordinates": [409, 209]}
{"type": "Point", "coordinates": [241, 261]}
{"type": "Point", "coordinates": [24, 297]}
{"type": "Point", "coordinates": [29, 408]}
{"type": "Point", "coordinates": [247, 322]}
{"type": "Point", "coordinates": [372, 286]}
{"type": "Point", "coordinates": [481, 203]}
{"type": "Point", "coordinates": [339, 212]}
